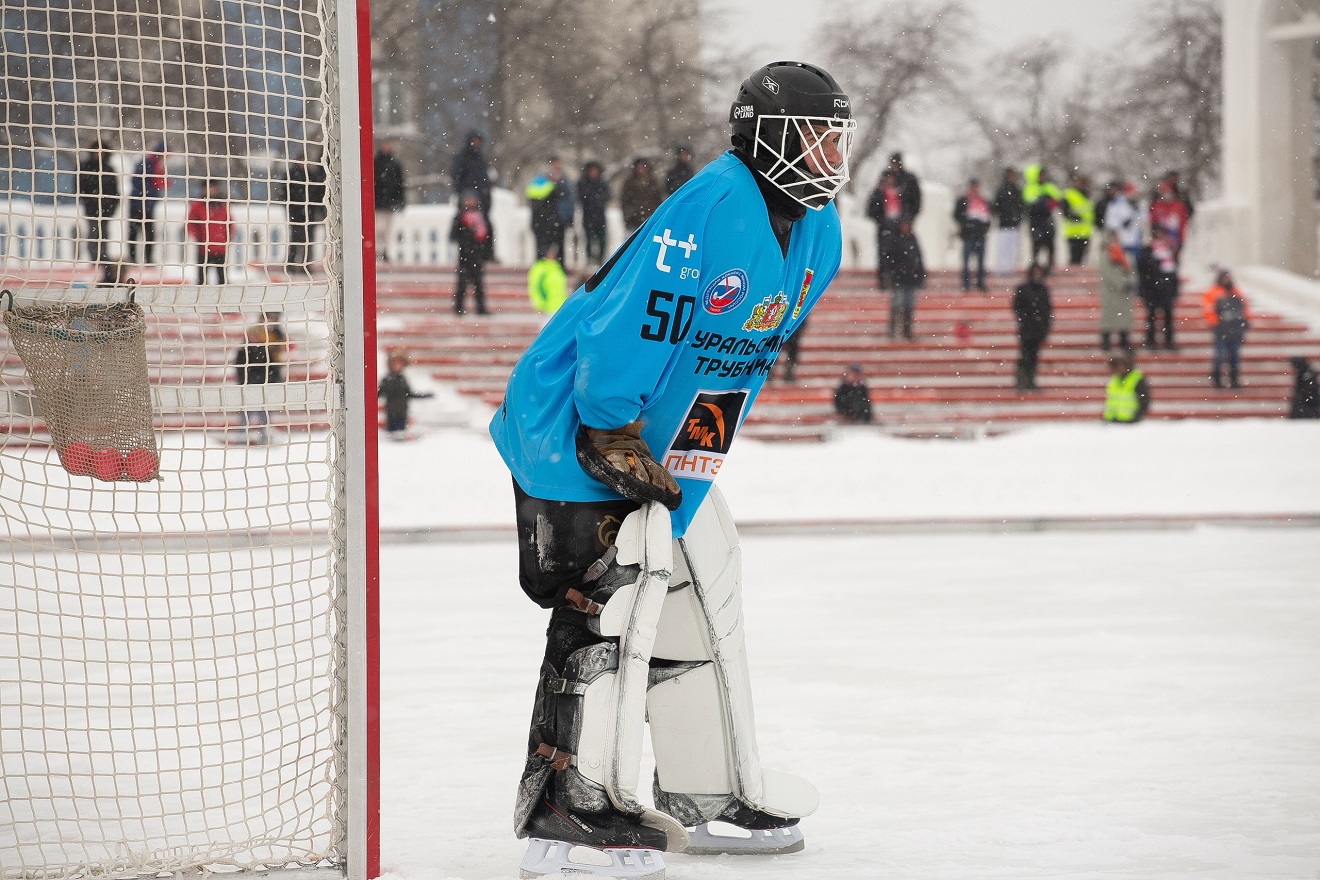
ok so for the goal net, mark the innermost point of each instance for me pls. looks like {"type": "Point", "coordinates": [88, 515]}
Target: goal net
{"type": "Point", "coordinates": [186, 441]}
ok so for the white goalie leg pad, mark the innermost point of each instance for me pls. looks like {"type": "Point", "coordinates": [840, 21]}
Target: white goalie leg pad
{"type": "Point", "coordinates": [703, 727]}
{"type": "Point", "coordinates": [614, 705]}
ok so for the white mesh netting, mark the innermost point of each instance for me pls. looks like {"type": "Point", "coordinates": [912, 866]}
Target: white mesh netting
{"type": "Point", "coordinates": [172, 651]}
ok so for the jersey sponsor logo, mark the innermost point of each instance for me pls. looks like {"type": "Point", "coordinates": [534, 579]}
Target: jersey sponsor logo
{"type": "Point", "coordinates": [802, 294]}
{"type": "Point", "coordinates": [666, 242]}
{"type": "Point", "coordinates": [767, 314]}
{"type": "Point", "coordinates": [705, 435]}
{"type": "Point", "coordinates": [725, 293]}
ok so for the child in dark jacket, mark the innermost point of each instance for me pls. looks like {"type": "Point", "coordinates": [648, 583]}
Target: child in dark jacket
{"type": "Point", "coordinates": [397, 392]}
{"type": "Point", "coordinates": [471, 233]}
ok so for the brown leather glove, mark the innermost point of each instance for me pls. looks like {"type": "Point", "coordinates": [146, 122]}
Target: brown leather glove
{"type": "Point", "coordinates": [620, 458]}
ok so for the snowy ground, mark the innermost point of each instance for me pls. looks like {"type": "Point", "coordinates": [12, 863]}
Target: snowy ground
{"type": "Point", "coordinates": [1081, 704]}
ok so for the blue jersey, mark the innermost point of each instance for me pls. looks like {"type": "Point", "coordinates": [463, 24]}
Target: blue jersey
{"type": "Point", "coordinates": [680, 332]}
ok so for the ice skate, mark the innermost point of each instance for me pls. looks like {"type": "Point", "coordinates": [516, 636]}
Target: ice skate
{"type": "Point", "coordinates": [558, 858]}
{"type": "Point", "coordinates": [736, 828]}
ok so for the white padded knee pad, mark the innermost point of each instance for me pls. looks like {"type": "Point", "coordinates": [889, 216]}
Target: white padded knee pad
{"type": "Point", "coordinates": [609, 748]}
{"type": "Point", "coordinates": [703, 726]}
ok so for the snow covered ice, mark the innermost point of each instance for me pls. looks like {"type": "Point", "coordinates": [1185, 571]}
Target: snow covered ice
{"type": "Point", "coordinates": [972, 703]}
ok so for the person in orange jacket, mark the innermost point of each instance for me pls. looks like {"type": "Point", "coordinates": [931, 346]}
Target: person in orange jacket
{"type": "Point", "coordinates": [1225, 311]}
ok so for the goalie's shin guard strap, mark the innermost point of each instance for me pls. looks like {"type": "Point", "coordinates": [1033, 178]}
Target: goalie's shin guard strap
{"type": "Point", "coordinates": [703, 727]}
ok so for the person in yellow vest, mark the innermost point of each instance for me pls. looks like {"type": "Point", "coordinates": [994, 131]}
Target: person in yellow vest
{"type": "Point", "coordinates": [547, 285]}
{"type": "Point", "coordinates": [1127, 396]}
{"type": "Point", "coordinates": [1041, 197]}
{"type": "Point", "coordinates": [1078, 218]}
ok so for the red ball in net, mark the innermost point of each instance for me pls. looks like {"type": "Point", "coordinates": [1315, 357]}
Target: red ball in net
{"type": "Point", "coordinates": [107, 464]}
{"type": "Point", "coordinates": [77, 458]}
{"type": "Point", "coordinates": [140, 464]}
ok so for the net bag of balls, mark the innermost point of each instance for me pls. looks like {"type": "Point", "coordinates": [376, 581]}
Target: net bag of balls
{"type": "Point", "coordinates": [88, 367]}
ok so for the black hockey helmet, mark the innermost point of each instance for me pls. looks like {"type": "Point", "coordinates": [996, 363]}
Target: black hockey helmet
{"type": "Point", "coordinates": [785, 111]}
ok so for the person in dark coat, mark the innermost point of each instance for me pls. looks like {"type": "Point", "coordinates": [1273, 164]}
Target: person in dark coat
{"type": "Point", "coordinates": [98, 196]}
{"type": "Point", "coordinates": [470, 172]}
{"type": "Point", "coordinates": [852, 397]}
{"type": "Point", "coordinates": [681, 171]}
{"type": "Point", "coordinates": [885, 208]}
{"type": "Point", "coordinates": [1305, 400]}
{"type": "Point", "coordinates": [303, 191]}
{"type": "Point", "coordinates": [1157, 272]}
{"type": "Point", "coordinates": [391, 196]}
{"type": "Point", "coordinates": [1034, 312]}
{"type": "Point", "coordinates": [593, 195]}
{"type": "Point", "coordinates": [472, 235]}
{"type": "Point", "coordinates": [1007, 209]}
{"type": "Point", "coordinates": [640, 195]}
{"type": "Point", "coordinates": [908, 186]}
{"type": "Point", "coordinates": [146, 189]}
{"type": "Point", "coordinates": [904, 266]}
{"type": "Point", "coordinates": [972, 214]}
{"type": "Point", "coordinates": [397, 392]}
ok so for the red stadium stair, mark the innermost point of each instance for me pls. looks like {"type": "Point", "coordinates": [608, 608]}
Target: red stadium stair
{"type": "Point", "coordinates": [943, 383]}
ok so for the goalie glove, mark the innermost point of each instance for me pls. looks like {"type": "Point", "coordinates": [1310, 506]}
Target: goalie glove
{"type": "Point", "coordinates": [620, 458]}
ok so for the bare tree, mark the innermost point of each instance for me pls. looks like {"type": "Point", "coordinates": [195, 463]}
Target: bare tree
{"type": "Point", "coordinates": [890, 58]}
{"type": "Point", "coordinates": [1169, 105]}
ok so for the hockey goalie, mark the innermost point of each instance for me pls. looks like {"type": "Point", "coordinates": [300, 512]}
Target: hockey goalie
{"type": "Point", "coordinates": [614, 425]}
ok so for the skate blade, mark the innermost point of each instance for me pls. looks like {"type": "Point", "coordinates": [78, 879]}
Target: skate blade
{"type": "Point", "coordinates": [721, 838]}
{"type": "Point", "coordinates": [556, 858]}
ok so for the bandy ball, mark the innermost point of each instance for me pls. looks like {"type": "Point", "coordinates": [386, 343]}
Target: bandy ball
{"type": "Point", "coordinates": [107, 464]}
{"type": "Point", "coordinates": [140, 464]}
{"type": "Point", "coordinates": [77, 458]}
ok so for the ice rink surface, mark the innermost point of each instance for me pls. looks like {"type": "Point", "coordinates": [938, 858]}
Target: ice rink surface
{"type": "Point", "coordinates": [1093, 704]}
{"type": "Point", "coordinates": [1100, 704]}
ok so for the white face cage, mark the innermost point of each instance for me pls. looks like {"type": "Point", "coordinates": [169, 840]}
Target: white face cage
{"type": "Point", "coordinates": [823, 139]}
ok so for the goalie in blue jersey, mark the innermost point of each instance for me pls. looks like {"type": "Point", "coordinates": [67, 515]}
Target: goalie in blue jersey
{"type": "Point", "coordinates": [614, 425]}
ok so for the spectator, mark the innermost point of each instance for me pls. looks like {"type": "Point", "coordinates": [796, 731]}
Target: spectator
{"type": "Point", "coordinates": [1225, 311]}
{"type": "Point", "coordinates": [470, 173]}
{"type": "Point", "coordinates": [1041, 197]}
{"type": "Point", "coordinates": [303, 191]}
{"type": "Point", "coordinates": [391, 196]}
{"type": "Point", "coordinates": [1305, 400]}
{"type": "Point", "coordinates": [472, 235]}
{"type": "Point", "coordinates": [277, 343]}
{"type": "Point", "coordinates": [1007, 209]}
{"type": "Point", "coordinates": [397, 392]}
{"type": "Point", "coordinates": [550, 196]}
{"type": "Point", "coordinates": [98, 196]}
{"type": "Point", "coordinates": [681, 171]}
{"type": "Point", "coordinates": [1169, 214]}
{"type": "Point", "coordinates": [885, 207]}
{"type": "Point", "coordinates": [906, 269]}
{"type": "Point", "coordinates": [258, 362]}
{"type": "Point", "coordinates": [1174, 180]}
{"type": "Point", "coordinates": [547, 285]}
{"type": "Point", "coordinates": [1157, 271]}
{"type": "Point", "coordinates": [792, 348]}
{"type": "Point", "coordinates": [1118, 277]}
{"type": "Point", "coordinates": [972, 213]}
{"type": "Point", "coordinates": [1127, 395]}
{"type": "Point", "coordinates": [852, 397]}
{"type": "Point", "coordinates": [209, 226]}
{"type": "Point", "coordinates": [909, 187]}
{"type": "Point", "coordinates": [594, 195]}
{"type": "Point", "coordinates": [1124, 218]}
{"type": "Point", "coordinates": [1033, 310]}
{"type": "Point", "coordinates": [146, 189]}
{"type": "Point", "coordinates": [1078, 217]}
{"type": "Point", "coordinates": [1112, 189]}
{"type": "Point", "coordinates": [640, 195]}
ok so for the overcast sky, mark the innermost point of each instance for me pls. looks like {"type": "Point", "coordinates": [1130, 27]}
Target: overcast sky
{"type": "Point", "coordinates": [784, 27]}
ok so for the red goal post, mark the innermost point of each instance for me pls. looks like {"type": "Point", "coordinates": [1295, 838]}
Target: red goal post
{"type": "Point", "coordinates": [189, 665]}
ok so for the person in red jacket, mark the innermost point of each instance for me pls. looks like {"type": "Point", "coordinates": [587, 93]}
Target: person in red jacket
{"type": "Point", "coordinates": [1169, 213]}
{"type": "Point", "coordinates": [1225, 311]}
{"type": "Point", "coordinates": [209, 226]}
